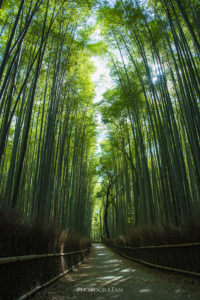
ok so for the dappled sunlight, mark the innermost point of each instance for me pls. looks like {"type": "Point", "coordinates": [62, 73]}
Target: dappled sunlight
{"type": "Point", "coordinates": [86, 281]}
{"type": "Point", "coordinates": [99, 246]}
{"type": "Point", "coordinates": [87, 267]}
{"type": "Point", "coordinates": [128, 270]}
{"type": "Point", "coordinates": [125, 279]}
{"type": "Point", "coordinates": [114, 270]}
{"type": "Point", "coordinates": [103, 266]}
{"type": "Point", "coordinates": [145, 291]}
{"type": "Point", "coordinates": [108, 266]}
{"type": "Point", "coordinates": [109, 279]}
{"type": "Point", "coordinates": [114, 260]}
{"type": "Point", "coordinates": [95, 258]}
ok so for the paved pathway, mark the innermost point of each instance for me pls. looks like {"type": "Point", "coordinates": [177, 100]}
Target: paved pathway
{"type": "Point", "coordinates": [106, 275]}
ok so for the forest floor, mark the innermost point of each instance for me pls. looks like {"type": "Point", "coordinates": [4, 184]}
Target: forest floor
{"type": "Point", "coordinates": [106, 275]}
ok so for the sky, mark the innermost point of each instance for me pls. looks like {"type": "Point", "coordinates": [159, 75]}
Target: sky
{"type": "Point", "coordinates": [103, 81]}
{"type": "Point", "coordinates": [101, 78]}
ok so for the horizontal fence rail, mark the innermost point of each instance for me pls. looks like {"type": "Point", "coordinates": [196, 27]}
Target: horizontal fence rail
{"type": "Point", "coordinates": [182, 258]}
{"type": "Point", "coordinates": [12, 259]}
{"type": "Point", "coordinates": [22, 276]}
{"type": "Point", "coordinates": [161, 246]}
{"type": "Point", "coordinates": [39, 287]}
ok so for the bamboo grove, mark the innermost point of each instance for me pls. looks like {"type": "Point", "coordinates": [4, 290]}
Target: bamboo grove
{"type": "Point", "coordinates": [150, 162]}
{"type": "Point", "coordinates": [149, 166]}
{"type": "Point", "coordinates": [47, 135]}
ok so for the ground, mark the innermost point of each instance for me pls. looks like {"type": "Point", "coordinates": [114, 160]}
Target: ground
{"type": "Point", "coordinates": [107, 275]}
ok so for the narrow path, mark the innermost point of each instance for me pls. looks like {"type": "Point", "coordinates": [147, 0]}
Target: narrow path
{"type": "Point", "coordinates": [106, 275]}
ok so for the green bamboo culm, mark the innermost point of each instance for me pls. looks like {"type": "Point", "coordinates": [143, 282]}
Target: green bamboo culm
{"type": "Point", "coordinates": [152, 114]}
{"type": "Point", "coordinates": [47, 137]}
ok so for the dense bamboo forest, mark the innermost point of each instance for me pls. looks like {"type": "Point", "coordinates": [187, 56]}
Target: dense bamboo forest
{"type": "Point", "coordinates": [150, 161]}
{"type": "Point", "coordinates": [145, 180]}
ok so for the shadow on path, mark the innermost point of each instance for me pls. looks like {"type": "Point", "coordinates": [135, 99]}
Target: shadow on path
{"type": "Point", "coordinates": [106, 275]}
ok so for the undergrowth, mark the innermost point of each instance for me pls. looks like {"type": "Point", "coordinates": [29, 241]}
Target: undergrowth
{"type": "Point", "coordinates": [37, 237]}
{"type": "Point", "coordinates": [153, 235]}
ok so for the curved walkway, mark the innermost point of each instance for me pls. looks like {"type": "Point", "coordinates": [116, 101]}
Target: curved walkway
{"type": "Point", "coordinates": [106, 275]}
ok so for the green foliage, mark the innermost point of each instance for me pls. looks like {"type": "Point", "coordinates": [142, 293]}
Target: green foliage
{"type": "Point", "coordinates": [149, 163]}
{"type": "Point", "coordinates": [48, 128]}
{"type": "Point", "coordinates": [152, 140]}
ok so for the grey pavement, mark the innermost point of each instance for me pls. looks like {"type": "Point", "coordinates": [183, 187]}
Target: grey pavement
{"type": "Point", "coordinates": [107, 275]}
